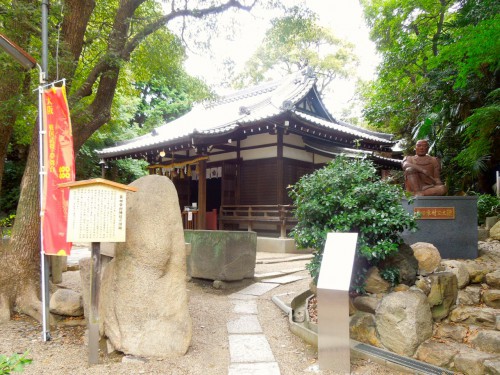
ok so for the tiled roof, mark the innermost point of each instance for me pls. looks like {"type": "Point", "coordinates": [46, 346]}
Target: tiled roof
{"type": "Point", "coordinates": [343, 127]}
{"type": "Point", "coordinates": [227, 113]}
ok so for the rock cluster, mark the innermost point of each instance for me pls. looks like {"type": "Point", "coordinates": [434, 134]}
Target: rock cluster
{"type": "Point", "coordinates": [449, 316]}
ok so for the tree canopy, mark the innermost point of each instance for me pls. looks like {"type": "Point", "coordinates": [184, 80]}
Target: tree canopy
{"type": "Point", "coordinates": [439, 79]}
{"type": "Point", "coordinates": [294, 42]}
{"type": "Point", "coordinates": [100, 48]}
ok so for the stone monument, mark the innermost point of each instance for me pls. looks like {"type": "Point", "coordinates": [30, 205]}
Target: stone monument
{"type": "Point", "coordinates": [144, 301]}
{"type": "Point", "coordinates": [447, 222]}
{"type": "Point", "coordinates": [422, 172]}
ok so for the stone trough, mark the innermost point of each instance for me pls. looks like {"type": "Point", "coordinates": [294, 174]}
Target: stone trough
{"type": "Point", "coordinates": [221, 255]}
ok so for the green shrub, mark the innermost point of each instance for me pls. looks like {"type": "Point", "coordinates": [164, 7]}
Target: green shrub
{"type": "Point", "coordinates": [390, 274]}
{"type": "Point", "coordinates": [487, 205]}
{"type": "Point", "coordinates": [6, 225]}
{"type": "Point", "coordinates": [348, 196]}
{"type": "Point", "coordinates": [13, 363]}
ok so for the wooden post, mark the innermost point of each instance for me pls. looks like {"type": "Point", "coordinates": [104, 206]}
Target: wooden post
{"type": "Point", "coordinates": [202, 194]}
{"type": "Point", "coordinates": [250, 228]}
{"type": "Point", "coordinates": [282, 214]}
{"type": "Point", "coordinates": [280, 186]}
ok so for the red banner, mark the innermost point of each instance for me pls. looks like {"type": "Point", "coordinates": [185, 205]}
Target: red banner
{"type": "Point", "coordinates": [59, 162]}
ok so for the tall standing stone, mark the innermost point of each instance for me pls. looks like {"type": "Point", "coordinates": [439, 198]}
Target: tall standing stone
{"type": "Point", "coordinates": [144, 302]}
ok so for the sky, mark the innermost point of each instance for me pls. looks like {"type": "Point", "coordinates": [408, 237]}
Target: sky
{"type": "Point", "coordinates": [344, 17]}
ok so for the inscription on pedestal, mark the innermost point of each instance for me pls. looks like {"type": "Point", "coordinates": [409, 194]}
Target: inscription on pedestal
{"type": "Point", "coordinates": [449, 223]}
{"type": "Point", "coordinates": [435, 213]}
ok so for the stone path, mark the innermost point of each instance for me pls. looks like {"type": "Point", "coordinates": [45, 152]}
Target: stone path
{"type": "Point", "coordinates": [249, 350]}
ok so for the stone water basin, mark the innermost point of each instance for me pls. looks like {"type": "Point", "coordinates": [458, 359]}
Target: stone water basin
{"type": "Point", "coordinates": [221, 254]}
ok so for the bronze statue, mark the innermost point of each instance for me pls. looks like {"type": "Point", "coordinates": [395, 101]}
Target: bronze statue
{"type": "Point", "coordinates": [422, 172]}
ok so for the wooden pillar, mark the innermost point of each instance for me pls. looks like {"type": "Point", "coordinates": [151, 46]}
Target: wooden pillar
{"type": "Point", "coordinates": [280, 186]}
{"type": "Point", "coordinates": [238, 173]}
{"type": "Point", "coordinates": [202, 193]}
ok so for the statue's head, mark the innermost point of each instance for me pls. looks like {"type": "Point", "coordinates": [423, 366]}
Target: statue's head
{"type": "Point", "coordinates": [422, 147]}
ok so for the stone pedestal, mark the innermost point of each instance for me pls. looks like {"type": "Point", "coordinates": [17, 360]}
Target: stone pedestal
{"type": "Point", "coordinates": [455, 237]}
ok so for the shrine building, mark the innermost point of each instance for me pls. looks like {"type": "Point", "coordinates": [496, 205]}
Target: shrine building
{"type": "Point", "coordinates": [232, 159]}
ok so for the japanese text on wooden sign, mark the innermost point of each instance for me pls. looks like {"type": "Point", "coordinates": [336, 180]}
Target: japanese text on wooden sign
{"type": "Point", "coordinates": [96, 214]}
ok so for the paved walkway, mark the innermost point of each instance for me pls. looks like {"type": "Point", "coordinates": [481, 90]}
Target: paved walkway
{"type": "Point", "coordinates": [248, 347]}
{"type": "Point", "coordinates": [249, 350]}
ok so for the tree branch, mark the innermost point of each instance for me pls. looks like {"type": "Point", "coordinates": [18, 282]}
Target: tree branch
{"type": "Point", "coordinates": [176, 13]}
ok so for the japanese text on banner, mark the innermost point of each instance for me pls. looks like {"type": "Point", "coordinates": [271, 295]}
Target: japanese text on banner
{"type": "Point", "coordinates": [59, 165]}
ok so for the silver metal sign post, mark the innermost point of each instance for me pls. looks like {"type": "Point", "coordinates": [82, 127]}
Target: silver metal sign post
{"type": "Point", "coordinates": [334, 351]}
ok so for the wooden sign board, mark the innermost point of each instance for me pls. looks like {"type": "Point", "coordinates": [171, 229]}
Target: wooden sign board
{"type": "Point", "coordinates": [97, 211]}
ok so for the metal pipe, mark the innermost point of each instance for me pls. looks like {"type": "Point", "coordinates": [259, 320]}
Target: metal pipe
{"type": "Point", "coordinates": [44, 258]}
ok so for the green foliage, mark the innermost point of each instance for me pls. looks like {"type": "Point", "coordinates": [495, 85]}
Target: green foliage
{"type": "Point", "coordinates": [437, 80]}
{"type": "Point", "coordinates": [13, 363]}
{"type": "Point", "coordinates": [348, 196]}
{"type": "Point", "coordinates": [294, 42]}
{"type": "Point", "coordinates": [358, 281]}
{"type": "Point", "coordinates": [11, 182]}
{"type": "Point", "coordinates": [480, 131]}
{"type": "Point", "coordinates": [487, 205]}
{"type": "Point", "coordinates": [6, 225]}
{"type": "Point", "coordinates": [390, 274]}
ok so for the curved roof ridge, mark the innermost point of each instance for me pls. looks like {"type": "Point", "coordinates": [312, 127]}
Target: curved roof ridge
{"type": "Point", "coordinates": [386, 136]}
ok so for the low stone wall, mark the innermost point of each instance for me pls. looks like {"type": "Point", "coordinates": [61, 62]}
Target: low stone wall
{"type": "Point", "coordinates": [221, 255]}
{"type": "Point", "coordinates": [450, 316]}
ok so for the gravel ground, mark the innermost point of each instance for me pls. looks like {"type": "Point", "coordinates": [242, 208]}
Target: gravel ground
{"type": "Point", "coordinates": [208, 354]}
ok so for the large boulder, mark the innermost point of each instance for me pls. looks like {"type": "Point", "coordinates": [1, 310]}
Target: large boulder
{"type": "Point", "coordinates": [404, 321]}
{"type": "Point", "coordinates": [144, 302]}
{"type": "Point", "coordinates": [84, 265]}
{"type": "Point", "coordinates": [428, 257]}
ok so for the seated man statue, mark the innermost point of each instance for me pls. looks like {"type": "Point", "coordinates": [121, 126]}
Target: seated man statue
{"type": "Point", "coordinates": [422, 172]}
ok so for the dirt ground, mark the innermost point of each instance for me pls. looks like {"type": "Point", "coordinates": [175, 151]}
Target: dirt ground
{"type": "Point", "coordinates": [208, 354]}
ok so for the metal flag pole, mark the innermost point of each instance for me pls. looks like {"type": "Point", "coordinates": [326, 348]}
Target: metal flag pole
{"type": "Point", "coordinates": [44, 264]}
{"type": "Point", "coordinates": [28, 62]}
{"type": "Point", "coordinates": [44, 259]}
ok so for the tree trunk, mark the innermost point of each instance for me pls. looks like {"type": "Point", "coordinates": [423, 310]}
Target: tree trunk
{"type": "Point", "coordinates": [20, 277]}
